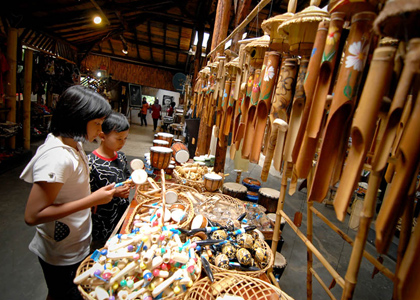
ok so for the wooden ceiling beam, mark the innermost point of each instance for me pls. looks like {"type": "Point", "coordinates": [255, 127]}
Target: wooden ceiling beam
{"type": "Point", "coordinates": [179, 43]}
{"type": "Point", "coordinates": [158, 46]}
{"type": "Point", "coordinates": [150, 40]}
{"type": "Point", "coordinates": [139, 62]}
{"type": "Point", "coordinates": [164, 44]}
{"type": "Point", "coordinates": [137, 45]}
{"type": "Point", "coordinates": [110, 46]}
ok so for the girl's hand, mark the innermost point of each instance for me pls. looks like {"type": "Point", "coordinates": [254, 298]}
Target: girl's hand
{"type": "Point", "coordinates": [122, 191]}
{"type": "Point", "coordinates": [104, 194]}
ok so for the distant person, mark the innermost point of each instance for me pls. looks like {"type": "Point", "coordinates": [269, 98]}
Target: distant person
{"type": "Point", "coordinates": [108, 164]}
{"type": "Point", "coordinates": [143, 112]}
{"type": "Point", "coordinates": [170, 110]}
{"type": "Point", "coordinates": [156, 113]}
{"type": "Point", "coordinates": [60, 199]}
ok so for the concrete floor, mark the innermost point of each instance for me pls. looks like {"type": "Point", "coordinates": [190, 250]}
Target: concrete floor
{"type": "Point", "coordinates": [21, 276]}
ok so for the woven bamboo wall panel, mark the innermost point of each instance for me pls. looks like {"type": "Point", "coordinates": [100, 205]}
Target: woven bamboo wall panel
{"type": "Point", "coordinates": [131, 73]}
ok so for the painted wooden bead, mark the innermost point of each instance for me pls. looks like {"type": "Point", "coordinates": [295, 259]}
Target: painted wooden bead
{"type": "Point", "coordinates": [222, 261]}
{"type": "Point", "coordinates": [244, 257]}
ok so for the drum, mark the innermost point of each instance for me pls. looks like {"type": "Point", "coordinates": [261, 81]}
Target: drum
{"type": "Point", "coordinates": [160, 157]}
{"type": "Point", "coordinates": [280, 264]}
{"type": "Point", "coordinates": [268, 198]}
{"type": "Point", "coordinates": [252, 196]}
{"type": "Point", "coordinates": [235, 190]}
{"type": "Point", "coordinates": [272, 217]}
{"type": "Point", "coordinates": [170, 169]}
{"type": "Point", "coordinates": [166, 137]}
{"type": "Point", "coordinates": [177, 141]}
{"type": "Point", "coordinates": [161, 143]}
{"type": "Point", "coordinates": [212, 181]}
{"type": "Point", "coordinates": [180, 153]}
{"type": "Point", "coordinates": [251, 184]}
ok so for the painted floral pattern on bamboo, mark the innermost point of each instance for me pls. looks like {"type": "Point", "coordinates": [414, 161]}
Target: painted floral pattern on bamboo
{"type": "Point", "coordinates": [332, 38]}
{"type": "Point", "coordinates": [357, 55]}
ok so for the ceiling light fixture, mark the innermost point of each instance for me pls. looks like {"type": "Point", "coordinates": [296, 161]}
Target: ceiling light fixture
{"type": "Point", "coordinates": [125, 46]}
{"type": "Point", "coordinates": [97, 20]}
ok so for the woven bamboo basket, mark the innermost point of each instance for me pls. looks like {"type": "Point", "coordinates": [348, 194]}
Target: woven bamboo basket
{"type": "Point", "coordinates": [235, 284]}
{"type": "Point", "coordinates": [256, 274]}
{"type": "Point", "coordinates": [196, 184]}
{"type": "Point", "coordinates": [85, 290]}
{"type": "Point", "coordinates": [236, 204]}
{"type": "Point", "coordinates": [185, 223]}
{"type": "Point", "coordinates": [142, 196]}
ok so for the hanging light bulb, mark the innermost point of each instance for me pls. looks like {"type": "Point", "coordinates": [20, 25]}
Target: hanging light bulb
{"type": "Point", "coordinates": [125, 46]}
{"type": "Point", "coordinates": [97, 20]}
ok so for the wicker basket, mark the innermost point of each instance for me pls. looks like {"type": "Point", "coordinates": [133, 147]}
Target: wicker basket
{"type": "Point", "coordinates": [237, 204]}
{"type": "Point", "coordinates": [141, 195]}
{"type": "Point", "coordinates": [256, 274]}
{"type": "Point", "coordinates": [235, 284]}
{"type": "Point", "coordinates": [85, 290]}
{"type": "Point", "coordinates": [196, 184]}
{"type": "Point", "coordinates": [181, 199]}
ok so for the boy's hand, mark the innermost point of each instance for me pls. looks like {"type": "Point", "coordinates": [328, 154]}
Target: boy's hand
{"type": "Point", "coordinates": [122, 191]}
{"type": "Point", "coordinates": [104, 194]}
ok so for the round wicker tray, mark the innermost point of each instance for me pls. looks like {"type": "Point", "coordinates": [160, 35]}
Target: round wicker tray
{"type": "Point", "coordinates": [235, 284]}
{"type": "Point", "coordinates": [270, 255]}
{"type": "Point", "coordinates": [85, 290]}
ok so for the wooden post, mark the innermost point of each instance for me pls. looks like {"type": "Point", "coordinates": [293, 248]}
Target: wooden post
{"type": "Point", "coordinates": [27, 88]}
{"type": "Point", "coordinates": [11, 79]}
{"type": "Point", "coordinates": [221, 24]}
{"type": "Point", "coordinates": [241, 13]}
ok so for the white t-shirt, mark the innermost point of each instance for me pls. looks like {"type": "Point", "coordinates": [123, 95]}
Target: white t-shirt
{"type": "Point", "coordinates": [65, 241]}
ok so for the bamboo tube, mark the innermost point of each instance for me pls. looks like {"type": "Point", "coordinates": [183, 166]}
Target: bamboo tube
{"type": "Point", "coordinates": [313, 128]}
{"type": "Point", "coordinates": [342, 106]}
{"type": "Point", "coordinates": [296, 113]}
{"type": "Point", "coordinates": [363, 126]}
{"type": "Point", "coordinates": [408, 285]}
{"type": "Point", "coordinates": [27, 90]}
{"type": "Point", "coordinates": [309, 258]}
{"type": "Point", "coordinates": [411, 67]}
{"type": "Point", "coordinates": [282, 100]}
{"type": "Point", "coordinates": [310, 81]}
{"type": "Point", "coordinates": [314, 250]}
{"type": "Point", "coordinates": [405, 166]}
{"type": "Point", "coordinates": [322, 283]}
{"type": "Point", "coordinates": [162, 175]}
{"type": "Point", "coordinates": [279, 125]}
{"type": "Point", "coordinates": [244, 109]}
{"type": "Point", "coordinates": [405, 233]}
{"type": "Point", "coordinates": [268, 79]}
{"type": "Point", "coordinates": [249, 128]}
{"type": "Point", "coordinates": [227, 124]}
{"type": "Point", "coordinates": [224, 105]}
{"type": "Point", "coordinates": [280, 205]}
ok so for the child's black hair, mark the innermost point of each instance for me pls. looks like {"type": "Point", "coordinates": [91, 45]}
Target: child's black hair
{"type": "Point", "coordinates": [76, 107]}
{"type": "Point", "coordinates": [115, 122]}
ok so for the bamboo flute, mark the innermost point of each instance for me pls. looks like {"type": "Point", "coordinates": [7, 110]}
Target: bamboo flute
{"type": "Point", "coordinates": [314, 250]}
{"type": "Point", "coordinates": [364, 124]}
{"type": "Point", "coordinates": [342, 106]}
{"type": "Point", "coordinates": [244, 109]}
{"type": "Point", "coordinates": [313, 128]}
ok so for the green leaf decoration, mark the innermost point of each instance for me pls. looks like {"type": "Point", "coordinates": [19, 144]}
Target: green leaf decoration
{"type": "Point", "coordinates": [329, 56]}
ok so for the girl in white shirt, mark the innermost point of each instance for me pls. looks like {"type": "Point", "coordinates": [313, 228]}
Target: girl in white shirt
{"type": "Point", "coordinates": [60, 199]}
